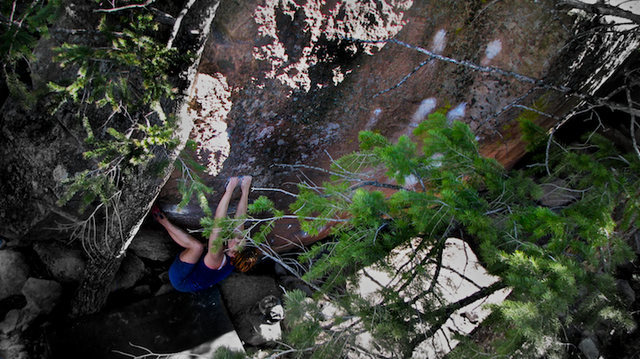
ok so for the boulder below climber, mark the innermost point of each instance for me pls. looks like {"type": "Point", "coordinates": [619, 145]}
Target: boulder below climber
{"type": "Point", "coordinates": [14, 271]}
{"type": "Point", "coordinates": [168, 323]}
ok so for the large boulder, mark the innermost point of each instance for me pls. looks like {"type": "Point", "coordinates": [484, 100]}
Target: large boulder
{"type": "Point", "coordinates": [13, 346]}
{"type": "Point", "coordinates": [14, 272]}
{"type": "Point", "coordinates": [154, 245]}
{"type": "Point", "coordinates": [130, 272]}
{"type": "Point", "coordinates": [10, 322]}
{"type": "Point", "coordinates": [169, 323]}
{"type": "Point", "coordinates": [42, 295]}
{"type": "Point", "coordinates": [302, 88]}
{"type": "Point", "coordinates": [254, 307]}
{"type": "Point", "coordinates": [65, 264]}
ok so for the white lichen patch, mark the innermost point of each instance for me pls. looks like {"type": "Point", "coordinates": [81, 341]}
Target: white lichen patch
{"type": "Point", "coordinates": [211, 106]}
{"type": "Point", "coordinates": [492, 50]}
{"type": "Point", "coordinates": [426, 107]}
{"type": "Point", "coordinates": [439, 41]}
{"type": "Point", "coordinates": [411, 181]}
{"type": "Point", "coordinates": [60, 174]}
{"type": "Point", "coordinates": [457, 112]}
{"type": "Point", "coordinates": [373, 120]}
{"type": "Point", "coordinates": [316, 20]}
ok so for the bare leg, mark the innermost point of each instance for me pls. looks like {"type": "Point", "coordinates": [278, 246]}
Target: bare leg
{"type": "Point", "coordinates": [193, 247]}
{"type": "Point", "coordinates": [241, 211]}
{"type": "Point", "coordinates": [213, 259]}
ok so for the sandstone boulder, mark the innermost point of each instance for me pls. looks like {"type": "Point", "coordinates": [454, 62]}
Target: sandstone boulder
{"type": "Point", "coordinates": [65, 264]}
{"type": "Point", "coordinates": [14, 272]}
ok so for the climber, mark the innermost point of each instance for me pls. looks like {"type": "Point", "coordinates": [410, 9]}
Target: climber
{"type": "Point", "coordinates": [194, 270]}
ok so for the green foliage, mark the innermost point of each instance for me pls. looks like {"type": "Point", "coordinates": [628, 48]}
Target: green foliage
{"type": "Point", "coordinates": [191, 184]}
{"type": "Point", "coordinates": [25, 24]}
{"type": "Point", "coordinates": [264, 205]}
{"type": "Point", "coordinates": [303, 317]}
{"type": "Point", "coordinates": [532, 134]}
{"type": "Point", "coordinates": [132, 68]}
{"type": "Point", "coordinates": [226, 353]}
{"type": "Point", "coordinates": [121, 81]}
{"type": "Point", "coordinates": [91, 187]}
{"type": "Point", "coordinates": [226, 226]}
{"type": "Point", "coordinates": [549, 257]}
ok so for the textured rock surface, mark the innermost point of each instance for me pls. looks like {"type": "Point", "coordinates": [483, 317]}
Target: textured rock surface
{"type": "Point", "coordinates": [13, 273]}
{"type": "Point", "coordinates": [10, 322]}
{"type": "Point", "coordinates": [589, 348]}
{"type": "Point", "coordinates": [242, 295]}
{"type": "Point", "coordinates": [65, 264]}
{"type": "Point", "coordinates": [131, 270]}
{"type": "Point", "coordinates": [11, 347]}
{"type": "Point", "coordinates": [288, 83]}
{"type": "Point", "coordinates": [154, 245]}
{"type": "Point", "coordinates": [42, 295]}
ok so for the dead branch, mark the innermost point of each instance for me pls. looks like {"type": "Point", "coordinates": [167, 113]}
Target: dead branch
{"type": "Point", "coordinates": [601, 8]}
{"type": "Point", "coordinates": [178, 22]}
{"type": "Point", "coordinates": [404, 79]}
{"type": "Point", "coordinates": [126, 7]}
{"type": "Point", "coordinates": [632, 124]}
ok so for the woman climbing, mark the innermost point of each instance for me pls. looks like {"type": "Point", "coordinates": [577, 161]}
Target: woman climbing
{"type": "Point", "coordinates": [191, 270]}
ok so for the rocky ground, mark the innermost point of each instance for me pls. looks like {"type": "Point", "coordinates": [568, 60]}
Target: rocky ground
{"type": "Point", "coordinates": [37, 283]}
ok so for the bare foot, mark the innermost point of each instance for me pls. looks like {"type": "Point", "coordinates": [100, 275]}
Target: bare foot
{"type": "Point", "coordinates": [232, 182]}
{"type": "Point", "coordinates": [246, 183]}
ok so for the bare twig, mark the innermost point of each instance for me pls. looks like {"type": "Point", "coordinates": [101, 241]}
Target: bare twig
{"type": "Point", "coordinates": [632, 125]}
{"type": "Point", "coordinates": [126, 7]}
{"type": "Point", "coordinates": [404, 79]}
{"type": "Point", "coordinates": [178, 22]}
{"type": "Point", "coordinates": [601, 8]}
{"type": "Point", "coordinates": [274, 190]}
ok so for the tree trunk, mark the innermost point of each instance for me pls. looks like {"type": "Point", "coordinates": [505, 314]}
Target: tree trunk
{"type": "Point", "coordinates": [142, 186]}
{"type": "Point", "coordinates": [96, 285]}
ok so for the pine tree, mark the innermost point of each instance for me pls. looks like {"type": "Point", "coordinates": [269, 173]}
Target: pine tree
{"type": "Point", "coordinates": [558, 262]}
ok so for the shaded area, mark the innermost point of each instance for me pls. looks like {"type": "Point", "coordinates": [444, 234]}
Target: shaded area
{"type": "Point", "coordinates": [164, 324]}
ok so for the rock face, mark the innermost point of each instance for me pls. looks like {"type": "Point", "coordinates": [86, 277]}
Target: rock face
{"type": "Point", "coordinates": [289, 82]}
{"type": "Point", "coordinates": [64, 264]}
{"type": "Point", "coordinates": [589, 348]}
{"type": "Point", "coordinates": [130, 272]}
{"type": "Point", "coordinates": [254, 307]}
{"type": "Point", "coordinates": [42, 295]}
{"type": "Point", "coordinates": [14, 272]}
{"type": "Point", "coordinates": [153, 245]}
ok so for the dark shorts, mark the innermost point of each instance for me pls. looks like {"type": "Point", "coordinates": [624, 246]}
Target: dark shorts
{"type": "Point", "coordinates": [190, 277]}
